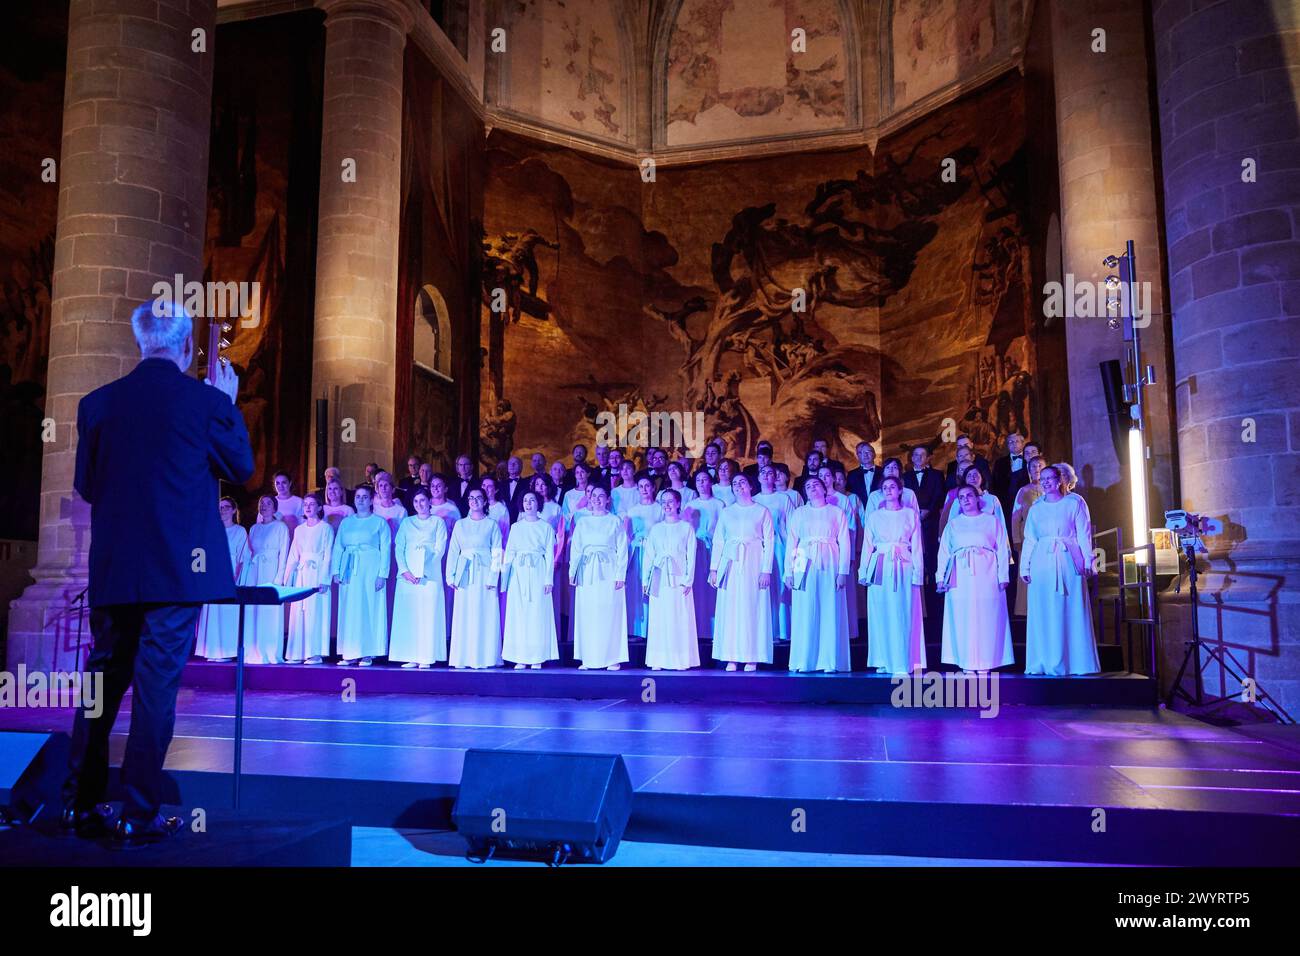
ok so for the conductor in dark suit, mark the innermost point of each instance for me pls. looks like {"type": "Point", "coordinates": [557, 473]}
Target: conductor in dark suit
{"type": "Point", "coordinates": [150, 448]}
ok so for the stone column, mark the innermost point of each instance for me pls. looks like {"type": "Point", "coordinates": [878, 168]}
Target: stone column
{"type": "Point", "coordinates": [132, 173]}
{"type": "Point", "coordinates": [1108, 196]}
{"type": "Point", "coordinates": [354, 342]}
{"type": "Point", "coordinates": [1228, 93]}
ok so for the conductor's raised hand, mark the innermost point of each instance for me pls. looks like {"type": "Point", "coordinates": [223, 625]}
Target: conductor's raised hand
{"type": "Point", "coordinates": [225, 379]}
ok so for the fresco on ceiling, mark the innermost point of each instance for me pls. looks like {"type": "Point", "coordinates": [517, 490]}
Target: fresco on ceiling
{"type": "Point", "coordinates": [938, 42]}
{"type": "Point", "coordinates": [565, 65]}
{"type": "Point", "coordinates": [733, 72]}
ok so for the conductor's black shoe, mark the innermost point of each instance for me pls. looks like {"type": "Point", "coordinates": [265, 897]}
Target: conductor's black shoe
{"type": "Point", "coordinates": [88, 824]}
{"type": "Point", "coordinates": [136, 833]}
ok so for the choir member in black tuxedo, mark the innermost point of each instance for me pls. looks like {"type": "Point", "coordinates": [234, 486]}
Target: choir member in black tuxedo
{"type": "Point", "coordinates": [966, 449]}
{"type": "Point", "coordinates": [513, 487]}
{"type": "Point", "coordinates": [601, 473]}
{"type": "Point", "coordinates": [579, 458]}
{"type": "Point", "coordinates": [614, 469]}
{"type": "Point", "coordinates": [411, 480]}
{"type": "Point", "coordinates": [151, 447]}
{"type": "Point", "coordinates": [712, 456]}
{"type": "Point", "coordinates": [822, 446]}
{"type": "Point", "coordinates": [656, 469]}
{"type": "Point", "coordinates": [458, 488]}
{"type": "Point", "coordinates": [812, 464]}
{"type": "Point", "coordinates": [928, 486]}
{"type": "Point", "coordinates": [865, 478]}
{"type": "Point", "coordinates": [538, 461]}
{"type": "Point", "coordinates": [764, 460]}
{"type": "Point", "coordinates": [1011, 472]}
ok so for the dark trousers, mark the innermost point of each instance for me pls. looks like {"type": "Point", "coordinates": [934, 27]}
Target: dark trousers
{"type": "Point", "coordinates": [144, 647]}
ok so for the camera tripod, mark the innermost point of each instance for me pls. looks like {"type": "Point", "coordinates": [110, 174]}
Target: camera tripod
{"type": "Point", "coordinates": [1216, 653]}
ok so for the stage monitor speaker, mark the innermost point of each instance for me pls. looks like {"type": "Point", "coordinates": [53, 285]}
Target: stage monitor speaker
{"type": "Point", "coordinates": [32, 768]}
{"type": "Point", "coordinates": [556, 807]}
{"type": "Point", "coordinates": [1117, 410]}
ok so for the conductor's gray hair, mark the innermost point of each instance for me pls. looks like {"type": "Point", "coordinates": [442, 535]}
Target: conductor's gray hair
{"type": "Point", "coordinates": [161, 325]}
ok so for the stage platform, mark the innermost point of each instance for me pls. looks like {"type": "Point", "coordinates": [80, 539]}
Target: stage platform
{"type": "Point", "coordinates": [1081, 784]}
{"type": "Point", "coordinates": [770, 684]}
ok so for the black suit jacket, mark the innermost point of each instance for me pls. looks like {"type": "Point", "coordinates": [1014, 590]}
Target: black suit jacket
{"type": "Point", "coordinates": [857, 484]}
{"type": "Point", "coordinates": [1006, 483]}
{"type": "Point", "coordinates": [150, 449]}
{"type": "Point", "coordinates": [454, 492]}
{"type": "Point", "coordinates": [930, 494]}
{"type": "Point", "coordinates": [513, 502]}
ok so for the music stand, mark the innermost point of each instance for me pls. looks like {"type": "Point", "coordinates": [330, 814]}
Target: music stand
{"type": "Point", "coordinates": [260, 596]}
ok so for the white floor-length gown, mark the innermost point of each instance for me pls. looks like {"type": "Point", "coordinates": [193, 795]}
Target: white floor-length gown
{"type": "Point", "coordinates": [419, 633]}
{"type": "Point", "coordinates": [818, 551]}
{"type": "Point", "coordinates": [597, 559]}
{"type": "Point", "coordinates": [553, 515]}
{"type": "Point", "coordinates": [640, 519]}
{"type": "Point", "coordinates": [394, 514]}
{"type": "Point", "coordinates": [781, 508]}
{"type": "Point", "coordinates": [621, 498]}
{"type": "Point", "coordinates": [1058, 630]}
{"type": "Point", "coordinates": [973, 560]}
{"type": "Point", "coordinates": [474, 557]}
{"type": "Point", "coordinates": [218, 630]}
{"type": "Point", "coordinates": [309, 566]}
{"type": "Point", "coordinates": [264, 625]}
{"type": "Point", "coordinates": [743, 544]}
{"type": "Point", "coordinates": [851, 505]}
{"type": "Point", "coordinates": [530, 635]}
{"type": "Point", "coordinates": [703, 513]}
{"type": "Point", "coordinates": [289, 510]}
{"type": "Point", "coordinates": [672, 641]}
{"type": "Point", "coordinates": [361, 556]}
{"type": "Point", "coordinates": [892, 565]}
{"type": "Point", "coordinates": [449, 514]}
{"type": "Point", "coordinates": [1025, 498]}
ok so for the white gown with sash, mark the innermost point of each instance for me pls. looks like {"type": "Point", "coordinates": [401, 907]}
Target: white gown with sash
{"type": "Point", "coordinates": [420, 609]}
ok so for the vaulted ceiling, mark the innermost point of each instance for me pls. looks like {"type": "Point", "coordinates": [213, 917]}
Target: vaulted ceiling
{"type": "Point", "coordinates": [697, 76]}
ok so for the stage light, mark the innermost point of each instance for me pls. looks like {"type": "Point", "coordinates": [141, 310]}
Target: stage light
{"type": "Point", "coordinates": [1138, 485]}
{"type": "Point", "coordinates": [1112, 282]}
{"type": "Point", "coordinates": [1110, 262]}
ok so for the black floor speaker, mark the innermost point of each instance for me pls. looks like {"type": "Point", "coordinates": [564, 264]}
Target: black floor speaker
{"type": "Point", "coordinates": [553, 807]}
{"type": "Point", "coordinates": [32, 768]}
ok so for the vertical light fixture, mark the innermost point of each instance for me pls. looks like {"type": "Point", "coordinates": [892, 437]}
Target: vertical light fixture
{"type": "Point", "coordinates": [1137, 378]}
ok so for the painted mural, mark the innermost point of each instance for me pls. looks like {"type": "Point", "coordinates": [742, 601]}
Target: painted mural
{"type": "Point", "coordinates": [31, 120]}
{"type": "Point", "coordinates": [834, 295]}
{"type": "Point", "coordinates": [565, 64]}
{"type": "Point", "coordinates": [737, 69]}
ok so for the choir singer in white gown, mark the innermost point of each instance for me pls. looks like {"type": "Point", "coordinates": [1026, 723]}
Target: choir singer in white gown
{"type": "Point", "coordinates": [741, 570]}
{"type": "Point", "coordinates": [309, 566]}
{"type": "Point", "coordinates": [1055, 565]}
{"type": "Point", "coordinates": [474, 557]}
{"type": "Point", "coordinates": [668, 575]}
{"type": "Point", "coordinates": [972, 572]}
{"type": "Point", "coordinates": [359, 566]}
{"type": "Point", "coordinates": [419, 602]}
{"type": "Point", "coordinates": [818, 554]}
{"type": "Point", "coordinates": [528, 576]}
{"type": "Point", "coordinates": [268, 540]}
{"type": "Point", "coordinates": [597, 571]}
{"type": "Point", "coordinates": [781, 507]}
{"type": "Point", "coordinates": [219, 623]}
{"type": "Point", "coordinates": [892, 567]}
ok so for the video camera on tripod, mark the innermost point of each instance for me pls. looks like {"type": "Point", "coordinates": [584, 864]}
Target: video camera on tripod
{"type": "Point", "coordinates": [1190, 528]}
